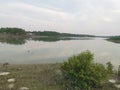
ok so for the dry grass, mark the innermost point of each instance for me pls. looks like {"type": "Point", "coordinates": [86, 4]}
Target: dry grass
{"type": "Point", "coordinates": [35, 77]}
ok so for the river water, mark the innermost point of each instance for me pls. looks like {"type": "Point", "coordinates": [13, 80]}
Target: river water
{"type": "Point", "coordinates": [37, 52]}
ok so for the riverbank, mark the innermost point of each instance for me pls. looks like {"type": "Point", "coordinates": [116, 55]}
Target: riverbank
{"type": "Point", "coordinates": [34, 77]}
{"type": "Point", "coordinates": [115, 39]}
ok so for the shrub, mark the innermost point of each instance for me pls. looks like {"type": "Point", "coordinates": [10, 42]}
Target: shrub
{"type": "Point", "coordinates": [81, 73]}
{"type": "Point", "coordinates": [14, 31]}
{"type": "Point", "coordinates": [109, 68]}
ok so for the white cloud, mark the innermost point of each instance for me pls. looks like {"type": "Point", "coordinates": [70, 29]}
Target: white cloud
{"type": "Point", "coordinates": [31, 15]}
{"type": "Point", "coordinates": [80, 16]}
{"type": "Point", "coordinates": [116, 11]}
{"type": "Point", "coordinates": [27, 10]}
{"type": "Point", "coordinates": [107, 19]}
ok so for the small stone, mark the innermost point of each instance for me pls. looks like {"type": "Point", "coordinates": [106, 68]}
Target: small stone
{"type": "Point", "coordinates": [112, 81]}
{"type": "Point", "coordinates": [11, 86]}
{"type": "Point", "coordinates": [19, 68]}
{"type": "Point", "coordinates": [119, 70]}
{"type": "Point", "coordinates": [24, 88]}
{"type": "Point", "coordinates": [58, 72]}
{"type": "Point", "coordinates": [117, 85]}
{"type": "Point", "coordinates": [4, 73]}
{"type": "Point", "coordinates": [11, 80]}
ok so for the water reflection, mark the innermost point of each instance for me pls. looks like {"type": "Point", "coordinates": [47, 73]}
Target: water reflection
{"type": "Point", "coordinates": [15, 41]}
{"type": "Point", "coordinates": [47, 39]}
{"type": "Point", "coordinates": [34, 52]}
{"type": "Point", "coordinates": [20, 41]}
{"type": "Point", "coordinates": [55, 39]}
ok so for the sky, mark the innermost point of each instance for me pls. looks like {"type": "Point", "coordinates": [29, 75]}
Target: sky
{"type": "Point", "coordinates": [95, 17]}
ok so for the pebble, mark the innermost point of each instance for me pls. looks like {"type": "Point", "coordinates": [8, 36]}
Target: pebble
{"type": "Point", "coordinates": [19, 68]}
{"type": "Point", "coordinates": [11, 80]}
{"type": "Point", "coordinates": [24, 88]}
{"type": "Point", "coordinates": [4, 73]}
{"type": "Point", "coordinates": [10, 86]}
{"type": "Point", "coordinates": [117, 85]}
{"type": "Point", "coordinates": [112, 81]}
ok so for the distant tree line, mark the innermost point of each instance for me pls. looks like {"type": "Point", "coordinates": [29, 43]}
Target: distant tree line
{"type": "Point", "coordinates": [46, 33]}
{"type": "Point", "coordinates": [15, 31]}
{"type": "Point", "coordinates": [57, 34]}
{"type": "Point", "coordinates": [19, 31]}
{"type": "Point", "coordinates": [115, 38]}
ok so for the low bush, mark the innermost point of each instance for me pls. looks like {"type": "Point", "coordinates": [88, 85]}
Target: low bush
{"type": "Point", "coordinates": [81, 73]}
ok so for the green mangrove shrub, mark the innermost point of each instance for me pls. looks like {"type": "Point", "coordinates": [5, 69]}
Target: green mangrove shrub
{"type": "Point", "coordinates": [81, 73]}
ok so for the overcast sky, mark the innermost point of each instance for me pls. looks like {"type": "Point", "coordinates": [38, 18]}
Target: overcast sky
{"type": "Point", "coordinates": [98, 17]}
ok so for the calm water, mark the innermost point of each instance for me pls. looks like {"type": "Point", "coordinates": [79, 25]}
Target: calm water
{"type": "Point", "coordinates": [33, 52]}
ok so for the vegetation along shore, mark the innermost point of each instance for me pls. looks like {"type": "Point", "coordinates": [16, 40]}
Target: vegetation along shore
{"type": "Point", "coordinates": [115, 39]}
{"type": "Point", "coordinates": [78, 73]}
